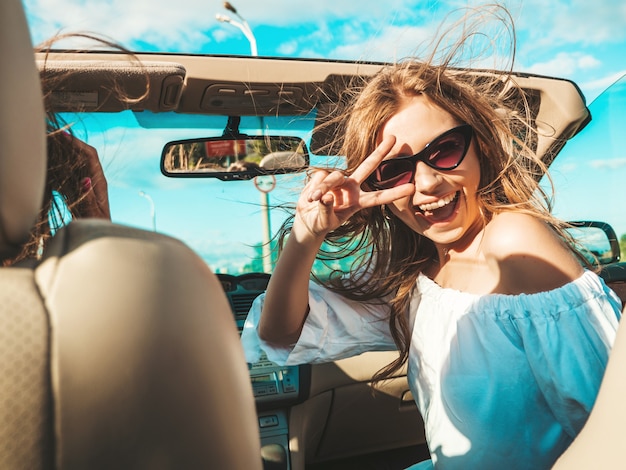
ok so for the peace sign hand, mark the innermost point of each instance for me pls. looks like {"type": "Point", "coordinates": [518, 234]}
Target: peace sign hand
{"type": "Point", "coordinates": [331, 198]}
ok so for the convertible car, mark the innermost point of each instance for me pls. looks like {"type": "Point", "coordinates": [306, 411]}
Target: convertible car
{"type": "Point", "coordinates": [214, 155]}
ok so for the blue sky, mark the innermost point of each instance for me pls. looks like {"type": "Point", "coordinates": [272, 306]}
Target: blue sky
{"type": "Point", "coordinates": [581, 40]}
{"type": "Point", "coordinates": [578, 40]}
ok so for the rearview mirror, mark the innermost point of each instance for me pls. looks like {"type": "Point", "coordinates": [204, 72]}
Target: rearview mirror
{"type": "Point", "coordinates": [228, 158]}
{"type": "Point", "coordinates": [597, 240]}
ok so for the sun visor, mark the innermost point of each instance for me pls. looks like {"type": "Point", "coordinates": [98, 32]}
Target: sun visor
{"type": "Point", "coordinates": [111, 85]}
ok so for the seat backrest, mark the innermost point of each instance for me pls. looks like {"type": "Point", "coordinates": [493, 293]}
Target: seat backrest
{"type": "Point", "coordinates": [118, 349]}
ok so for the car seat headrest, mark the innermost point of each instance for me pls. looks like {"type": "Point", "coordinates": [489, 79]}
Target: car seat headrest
{"type": "Point", "coordinates": [22, 130]}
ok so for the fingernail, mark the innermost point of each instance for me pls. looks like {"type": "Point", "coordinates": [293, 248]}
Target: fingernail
{"type": "Point", "coordinates": [86, 184]}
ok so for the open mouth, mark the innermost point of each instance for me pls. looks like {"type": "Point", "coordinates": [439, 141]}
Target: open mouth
{"type": "Point", "coordinates": [441, 209]}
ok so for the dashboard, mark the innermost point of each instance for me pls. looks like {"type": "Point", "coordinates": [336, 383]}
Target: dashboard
{"type": "Point", "coordinates": [275, 387]}
{"type": "Point", "coordinates": [327, 412]}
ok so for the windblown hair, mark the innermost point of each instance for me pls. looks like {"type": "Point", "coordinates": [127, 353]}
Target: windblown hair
{"type": "Point", "coordinates": [501, 115]}
{"type": "Point", "coordinates": [65, 171]}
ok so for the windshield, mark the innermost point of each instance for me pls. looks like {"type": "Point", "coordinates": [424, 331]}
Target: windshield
{"type": "Point", "coordinates": [225, 222]}
{"type": "Point", "coordinates": [589, 174]}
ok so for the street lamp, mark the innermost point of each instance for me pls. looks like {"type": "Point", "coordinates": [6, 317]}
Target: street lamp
{"type": "Point", "coordinates": [243, 26]}
{"type": "Point", "coordinates": [265, 198]}
{"type": "Point", "coordinates": [152, 208]}
{"type": "Point", "coordinates": [265, 184]}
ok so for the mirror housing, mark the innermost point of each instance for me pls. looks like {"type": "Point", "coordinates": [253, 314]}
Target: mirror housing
{"type": "Point", "coordinates": [598, 241]}
{"type": "Point", "coordinates": [234, 158]}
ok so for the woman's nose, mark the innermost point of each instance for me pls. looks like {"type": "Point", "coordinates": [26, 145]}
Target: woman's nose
{"type": "Point", "coordinates": [426, 178]}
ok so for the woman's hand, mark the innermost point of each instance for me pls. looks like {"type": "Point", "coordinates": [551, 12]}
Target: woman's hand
{"type": "Point", "coordinates": [94, 201]}
{"type": "Point", "coordinates": [327, 201]}
{"type": "Point", "coordinates": [331, 198]}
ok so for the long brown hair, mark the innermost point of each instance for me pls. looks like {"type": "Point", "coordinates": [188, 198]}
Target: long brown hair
{"type": "Point", "coordinates": [391, 255]}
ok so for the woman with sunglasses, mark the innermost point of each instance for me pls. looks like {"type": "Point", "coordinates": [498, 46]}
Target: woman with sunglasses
{"type": "Point", "coordinates": [466, 273]}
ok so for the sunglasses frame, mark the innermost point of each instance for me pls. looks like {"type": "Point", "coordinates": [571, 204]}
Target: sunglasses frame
{"type": "Point", "coordinates": [465, 130]}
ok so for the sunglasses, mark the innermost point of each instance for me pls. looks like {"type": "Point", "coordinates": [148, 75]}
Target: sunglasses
{"type": "Point", "coordinates": [445, 152]}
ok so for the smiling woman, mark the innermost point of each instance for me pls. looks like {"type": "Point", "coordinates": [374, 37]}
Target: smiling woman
{"type": "Point", "coordinates": [464, 272]}
{"type": "Point", "coordinates": [463, 267]}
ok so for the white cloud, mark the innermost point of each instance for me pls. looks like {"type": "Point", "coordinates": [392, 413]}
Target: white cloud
{"type": "Point", "coordinates": [593, 88]}
{"type": "Point", "coordinates": [177, 24]}
{"type": "Point", "coordinates": [574, 21]}
{"type": "Point", "coordinates": [184, 21]}
{"type": "Point", "coordinates": [284, 13]}
{"type": "Point", "coordinates": [288, 48]}
{"type": "Point", "coordinates": [612, 164]}
{"type": "Point", "coordinates": [355, 29]}
{"type": "Point", "coordinates": [566, 168]}
{"type": "Point", "coordinates": [221, 35]}
{"type": "Point", "coordinates": [390, 44]}
{"type": "Point", "coordinates": [564, 63]}
{"type": "Point", "coordinates": [186, 25]}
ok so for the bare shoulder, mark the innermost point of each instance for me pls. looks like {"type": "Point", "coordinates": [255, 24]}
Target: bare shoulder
{"type": "Point", "coordinates": [514, 232]}
{"type": "Point", "coordinates": [528, 255]}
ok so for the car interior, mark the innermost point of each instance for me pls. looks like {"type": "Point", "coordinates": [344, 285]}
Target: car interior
{"type": "Point", "coordinates": [101, 367]}
{"type": "Point", "coordinates": [120, 346]}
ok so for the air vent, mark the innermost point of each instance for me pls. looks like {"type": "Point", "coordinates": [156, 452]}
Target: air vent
{"type": "Point", "coordinates": [241, 304]}
{"type": "Point", "coordinates": [241, 292]}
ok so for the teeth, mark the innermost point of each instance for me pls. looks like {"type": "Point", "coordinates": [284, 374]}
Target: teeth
{"type": "Point", "coordinates": [438, 204]}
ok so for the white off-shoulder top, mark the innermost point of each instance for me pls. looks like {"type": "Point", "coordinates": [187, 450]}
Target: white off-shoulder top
{"type": "Point", "coordinates": [502, 381]}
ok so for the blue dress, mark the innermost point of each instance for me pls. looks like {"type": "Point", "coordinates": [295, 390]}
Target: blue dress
{"type": "Point", "coordinates": [502, 381]}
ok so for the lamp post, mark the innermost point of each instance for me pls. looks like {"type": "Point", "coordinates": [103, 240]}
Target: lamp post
{"type": "Point", "coordinates": [265, 184]}
{"type": "Point", "coordinates": [259, 182]}
{"type": "Point", "coordinates": [243, 26]}
{"type": "Point", "coordinates": [152, 208]}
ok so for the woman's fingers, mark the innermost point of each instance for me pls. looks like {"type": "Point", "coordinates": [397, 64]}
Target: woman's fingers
{"type": "Point", "coordinates": [322, 182]}
{"type": "Point", "coordinates": [368, 165]}
{"type": "Point", "coordinates": [99, 182]}
{"type": "Point", "coordinates": [94, 201]}
{"type": "Point", "coordinates": [339, 196]}
{"type": "Point", "coordinates": [93, 204]}
{"type": "Point", "coordinates": [386, 196]}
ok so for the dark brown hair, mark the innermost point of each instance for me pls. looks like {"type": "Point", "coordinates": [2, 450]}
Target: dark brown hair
{"type": "Point", "coordinates": [66, 170]}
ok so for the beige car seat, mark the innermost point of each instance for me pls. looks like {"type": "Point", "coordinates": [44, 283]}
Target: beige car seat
{"type": "Point", "coordinates": [118, 349]}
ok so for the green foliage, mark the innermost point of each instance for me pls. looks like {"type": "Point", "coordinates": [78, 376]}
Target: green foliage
{"type": "Point", "coordinates": [322, 268]}
{"type": "Point", "coordinates": [256, 262]}
{"type": "Point", "coordinates": [335, 259]}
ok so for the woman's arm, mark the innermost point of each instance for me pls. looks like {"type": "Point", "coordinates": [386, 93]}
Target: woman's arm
{"type": "Point", "coordinates": [328, 200]}
{"type": "Point", "coordinates": [286, 299]}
